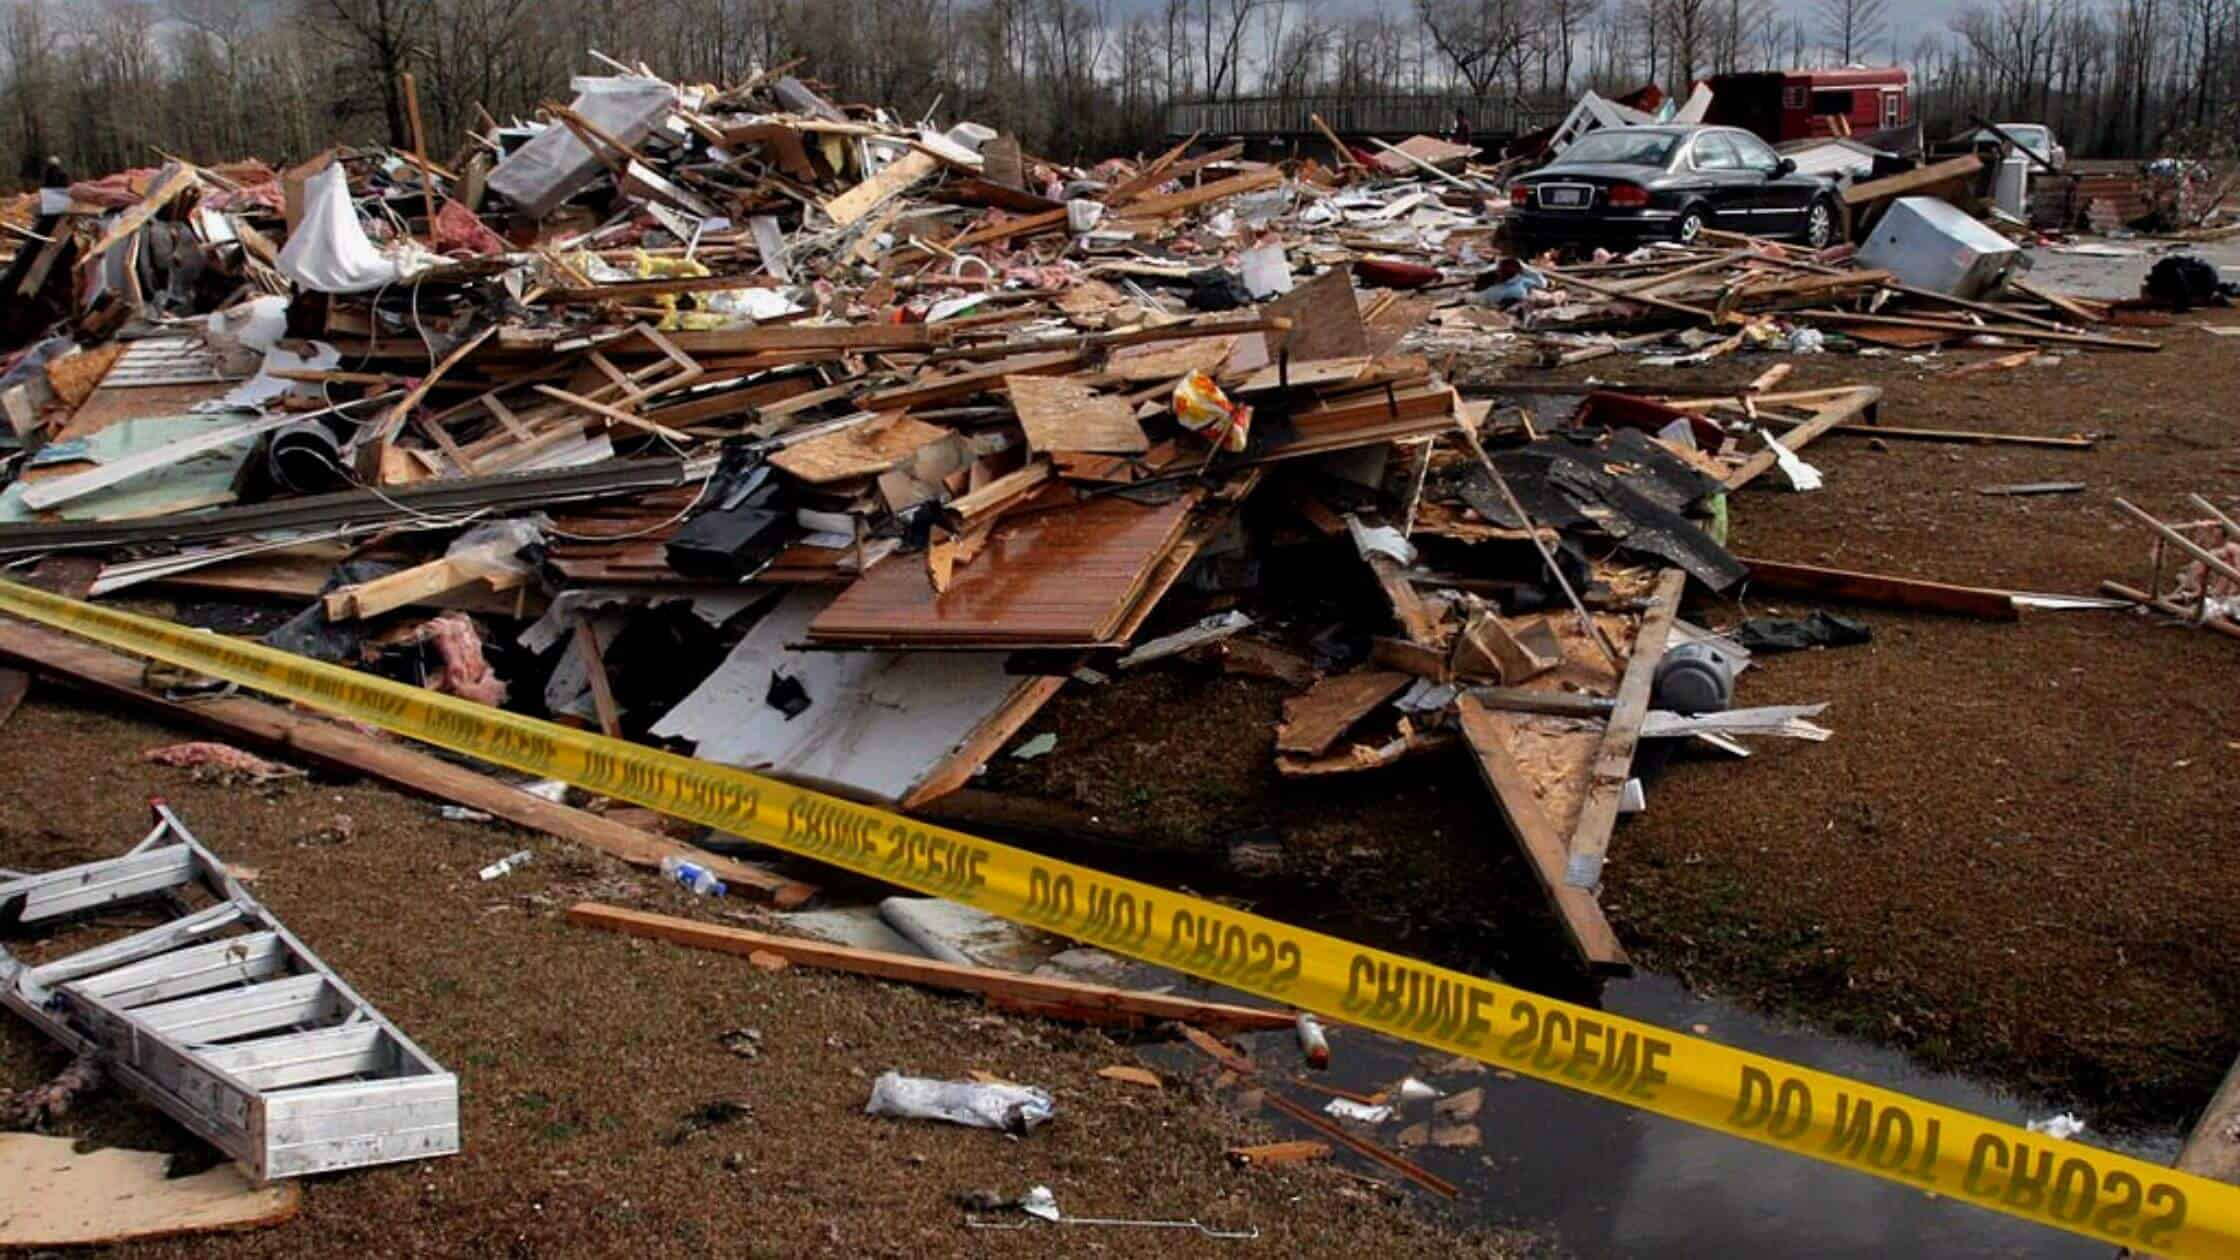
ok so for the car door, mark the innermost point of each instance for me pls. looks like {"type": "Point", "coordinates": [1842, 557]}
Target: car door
{"type": "Point", "coordinates": [1720, 177]}
{"type": "Point", "coordinates": [1777, 204]}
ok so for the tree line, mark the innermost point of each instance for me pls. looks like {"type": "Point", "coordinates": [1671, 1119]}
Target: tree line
{"type": "Point", "coordinates": [117, 83]}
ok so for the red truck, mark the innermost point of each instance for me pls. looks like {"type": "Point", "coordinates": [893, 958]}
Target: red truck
{"type": "Point", "coordinates": [1782, 105]}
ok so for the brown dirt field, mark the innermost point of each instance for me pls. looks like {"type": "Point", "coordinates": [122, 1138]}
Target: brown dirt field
{"type": "Point", "coordinates": [580, 1052]}
{"type": "Point", "coordinates": [2016, 855]}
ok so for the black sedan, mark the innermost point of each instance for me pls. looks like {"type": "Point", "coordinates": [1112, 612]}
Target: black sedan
{"type": "Point", "coordinates": [1622, 186]}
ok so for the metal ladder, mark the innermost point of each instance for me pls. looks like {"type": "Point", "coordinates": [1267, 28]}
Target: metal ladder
{"type": "Point", "coordinates": [222, 1018]}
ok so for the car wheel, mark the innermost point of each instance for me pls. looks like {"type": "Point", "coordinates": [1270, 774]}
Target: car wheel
{"type": "Point", "coordinates": [1690, 225]}
{"type": "Point", "coordinates": [1820, 225]}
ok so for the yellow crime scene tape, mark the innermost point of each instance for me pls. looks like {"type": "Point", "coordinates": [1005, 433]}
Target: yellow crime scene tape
{"type": "Point", "coordinates": [1929, 1147]}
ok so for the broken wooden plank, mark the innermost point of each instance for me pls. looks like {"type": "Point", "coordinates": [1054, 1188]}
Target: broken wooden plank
{"type": "Point", "coordinates": [1188, 198]}
{"type": "Point", "coordinates": [1062, 414]}
{"type": "Point", "coordinates": [1847, 406]}
{"type": "Point", "coordinates": [932, 973]}
{"type": "Point", "coordinates": [1314, 721]}
{"type": "Point", "coordinates": [1277, 1154]}
{"type": "Point", "coordinates": [1881, 589]}
{"type": "Point", "coordinates": [860, 450]}
{"type": "Point", "coordinates": [415, 585]}
{"type": "Point", "coordinates": [1613, 761]}
{"type": "Point", "coordinates": [891, 179]}
{"type": "Point", "coordinates": [1961, 167]}
{"type": "Point", "coordinates": [1576, 908]}
{"type": "Point", "coordinates": [117, 676]}
{"type": "Point", "coordinates": [602, 687]}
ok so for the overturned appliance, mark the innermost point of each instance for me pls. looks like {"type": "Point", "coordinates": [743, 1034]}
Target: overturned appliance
{"type": "Point", "coordinates": [223, 1019]}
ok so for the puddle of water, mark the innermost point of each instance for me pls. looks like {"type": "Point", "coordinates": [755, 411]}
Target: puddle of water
{"type": "Point", "coordinates": [1609, 1181]}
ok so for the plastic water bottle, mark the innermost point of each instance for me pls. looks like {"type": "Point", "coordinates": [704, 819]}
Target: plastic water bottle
{"type": "Point", "coordinates": [692, 875]}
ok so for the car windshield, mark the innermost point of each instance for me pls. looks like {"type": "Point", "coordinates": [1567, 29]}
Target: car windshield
{"type": "Point", "coordinates": [1620, 147]}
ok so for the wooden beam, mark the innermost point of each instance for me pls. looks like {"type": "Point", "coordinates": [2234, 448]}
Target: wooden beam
{"type": "Point", "coordinates": [1958, 329]}
{"type": "Point", "coordinates": [1344, 152]}
{"type": "Point", "coordinates": [1613, 761]}
{"type": "Point", "coordinates": [1881, 589]}
{"type": "Point", "coordinates": [1824, 417]}
{"type": "Point", "coordinates": [832, 337]}
{"type": "Point", "coordinates": [932, 973]}
{"type": "Point", "coordinates": [118, 676]}
{"type": "Point", "coordinates": [1576, 908]}
{"type": "Point", "coordinates": [1908, 181]}
{"type": "Point", "coordinates": [1189, 198]}
{"type": "Point", "coordinates": [391, 591]}
{"type": "Point", "coordinates": [1153, 173]}
{"type": "Point", "coordinates": [602, 688]}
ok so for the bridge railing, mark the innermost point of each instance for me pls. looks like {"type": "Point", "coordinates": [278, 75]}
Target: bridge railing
{"type": "Point", "coordinates": [1399, 115]}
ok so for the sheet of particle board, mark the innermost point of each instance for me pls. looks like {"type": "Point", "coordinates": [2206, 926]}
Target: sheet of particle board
{"type": "Point", "coordinates": [1062, 414]}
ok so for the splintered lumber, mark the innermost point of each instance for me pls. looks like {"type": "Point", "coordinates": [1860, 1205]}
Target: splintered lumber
{"type": "Point", "coordinates": [1041, 991]}
{"type": "Point", "coordinates": [1176, 202]}
{"type": "Point", "coordinates": [1842, 408]}
{"type": "Point", "coordinates": [175, 179]}
{"type": "Point", "coordinates": [1613, 761]}
{"type": "Point", "coordinates": [1314, 721]}
{"type": "Point", "coordinates": [1344, 153]}
{"type": "Point", "coordinates": [1956, 328]}
{"type": "Point", "coordinates": [813, 337]}
{"type": "Point", "coordinates": [2044, 440]}
{"type": "Point", "coordinates": [416, 585]}
{"type": "Point", "coordinates": [1908, 181]}
{"type": "Point", "coordinates": [1062, 414]}
{"type": "Point", "coordinates": [861, 450]}
{"type": "Point", "coordinates": [119, 677]}
{"type": "Point", "coordinates": [892, 178]}
{"type": "Point", "coordinates": [1882, 589]}
{"type": "Point", "coordinates": [1576, 908]}
{"type": "Point", "coordinates": [963, 385]}
{"type": "Point", "coordinates": [1152, 174]}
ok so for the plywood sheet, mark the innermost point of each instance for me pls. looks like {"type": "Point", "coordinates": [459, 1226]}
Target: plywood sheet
{"type": "Point", "coordinates": [1060, 576]}
{"type": "Point", "coordinates": [1062, 414]}
{"type": "Point", "coordinates": [1325, 319]}
{"type": "Point", "coordinates": [1167, 360]}
{"type": "Point", "coordinates": [52, 1196]}
{"type": "Point", "coordinates": [866, 450]}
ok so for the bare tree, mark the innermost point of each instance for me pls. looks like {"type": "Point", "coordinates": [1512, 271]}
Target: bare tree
{"type": "Point", "coordinates": [1850, 26]}
{"type": "Point", "coordinates": [1477, 38]}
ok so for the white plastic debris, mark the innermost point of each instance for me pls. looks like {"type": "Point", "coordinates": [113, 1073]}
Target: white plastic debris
{"type": "Point", "coordinates": [1413, 1090]}
{"type": "Point", "coordinates": [1802, 476]}
{"type": "Point", "coordinates": [1381, 540]}
{"type": "Point", "coordinates": [1011, 1108]}
{"type": "Point", "coordinates": [1360, 1113]}
{"type": "Point", "coordinates": [507, 864]}
{"type": "Point", "coordinates": [1040, 1202]}
{"type": "Point", "coordinates": [1807, 341]}
{"type": "Point", "coordinates": [2063, 1126]}
{"type": "Point", "coordinates": [1040, 746]}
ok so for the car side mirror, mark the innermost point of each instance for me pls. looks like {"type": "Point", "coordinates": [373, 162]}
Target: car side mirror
{"type": "Point", "coordinates": [1786, 166]}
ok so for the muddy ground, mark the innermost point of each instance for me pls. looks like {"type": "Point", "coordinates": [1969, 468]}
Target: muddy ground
{"type": "Point", "coordinates": [2015, 858]}
{"type": "Point", "coordinates": [583, 1055]}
